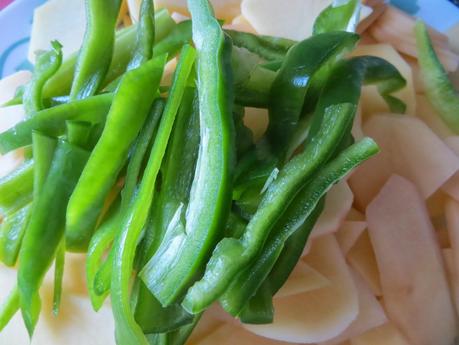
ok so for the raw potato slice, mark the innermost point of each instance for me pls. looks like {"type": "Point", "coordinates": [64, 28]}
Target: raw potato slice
{"type": "Point", "coordinates": [386, 334]}
{"type": "Point", "coordinates": [413, 278]}
{"type": "Point", "coordinates": [62, 20]}
{"type": "Point", "coordinates": [361, 258]}
{"type": "Point", "coordinates": [338, 202]}
{"type": "Point", "coordinates": [451, 187]}
{"type": "Point", "coordinates": [452, 222]}
{"type": "Point", "coordinates": [302, 279]}
{"type": "Point", "coordinates": [274, 18]}
{"type": "Point", "coordinates": [371, 314]}
{"type": "Point", "coordinates": [228, 334]}
{"type": "Point", "coordinates": [453, 275]}
{"type": "Point", "coordinates": [408, 148]}
{"type": "Point", "coordinates": [397, 28]}
{"type": "Point", "coordinates": [8, 85]}
{"type": "Point", "coordinates": [371, 102]}
{"type": "Point", "coordinates": [257, 120]}
{"type": "Point", "coordinates": [349, 233]}
{"type": "Point", "coordinates": [240, 23]}
{"type": "Point", "coordinates": [436, 204]}
{"type": "Point", "coordinates": [355, 215]}
{"type": "Point", "coordinates": [224, 9]}
{"type": "Point", "coordinates": [9, 116]}
{"type": "Point", "coordinates": [427, 113]}
{"type": "Point", "coordinates": [321, 314]}
{"type": "Point", "coordinates": [76, 324]}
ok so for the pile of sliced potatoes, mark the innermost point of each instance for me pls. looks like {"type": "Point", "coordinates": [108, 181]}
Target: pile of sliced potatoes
{"type": "Point", "coordinates": [382, 264]}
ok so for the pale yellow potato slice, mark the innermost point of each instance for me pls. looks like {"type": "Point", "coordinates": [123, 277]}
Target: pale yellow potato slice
{"type": "Point", "coordinates": [386, 334]}
{"type": "Point", "coordinates": [62, 20]}
{"type": "Point", "coordinates": [452, 271]}
{"type": "Point", "coordinates": [361, 257]}
{"type": "Point", "coordinates": [257, 120]}
{"type": "Point", "coordinates": [348, 234]}
{"type": "Point", "coordinates": [452, 225]}
{"type": "Point", "coordinates": [451, 187]}
{"type": "Point", "coordinates": [224, 9]}
{"type": "Point", "coordinates": [371, 314]}
{"type": "Point", "coordinates": [302, 279]}
{"type": "Point", "coordinates": [320, 314]}
{"type": "Point", "coordinates": [9, 85]}
{"type": "Point", "coordinates": [413, 277]}
{"type": "Point", "coordinates": [338, 202]}
{"type": "Point", "coordinates": [9, 116]}
{"type": "Point", "coordinates": [408, 148]}
{"type": "Point", "coordinates": [76, 324]}
{"type": "Point", "coordinates": [371, 102]}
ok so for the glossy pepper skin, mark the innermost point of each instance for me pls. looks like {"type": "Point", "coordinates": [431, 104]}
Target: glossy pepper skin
{"type": "Point", "coordinates": [127, 115]}
{"type": "Point", "coordinates": [46, 66]}
{"type": "Point", "coordinates": [184, 250]}
{"type": "Point", "coordinates": [46, 227]}
{"type": "Point", "coordinates": [135, 217]}
{"type": "Point", "coordinates": [96, 52]}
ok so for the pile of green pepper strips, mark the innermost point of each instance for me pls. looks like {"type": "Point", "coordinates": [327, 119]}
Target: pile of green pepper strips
{"type": "Point", "coordinates": [162, 185]}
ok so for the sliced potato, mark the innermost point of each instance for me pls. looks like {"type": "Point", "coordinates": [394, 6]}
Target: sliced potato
{"type": "Point", "coordinates": [62, 20]}
{"type": "Point", "coordinates": [302, 279]}
{"type": "Point", "coordinates": [224, 9]}
{"type": "Point", "coordinates": [9, 85]}
{"type": "Point", "coordinates": [361, 258]}
{"type": "Point", "coordinates": [453, 274]}
{"type": "Point", "coordinates": [371, 102]}
{"type": "Point", "coordinates": [413, 278]}
{"type": "Point", "coordinates": [427, 113]}
{"type": "Point", "coordinates": [452, 222]}
{"type": "Point", "coordinates": [348, 234]}
{"type": "Point", "coordinates": [408, 148]}
{"type": "Point", "coordinates": [338, 202]}
{"type": "Point", "coordinates": [451, 187]}
{"type": "Point", "coordinates": [386, 334]}
{"type": "Point", "coordinates": [320, 314]}
{"type": "Point", "coordinates": [371, 314]}
{"type": "Point", "coordinates": [257, 120]}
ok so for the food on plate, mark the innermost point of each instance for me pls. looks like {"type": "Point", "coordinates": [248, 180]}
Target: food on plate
{"type": "Point", "coordinates": [250, 172]}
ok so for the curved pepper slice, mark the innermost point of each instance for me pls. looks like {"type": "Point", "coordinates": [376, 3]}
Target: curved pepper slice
{"type": "Point", "coordinates": [184, 250]}
{"type": "Point", "coordinates": [439, 89]}
{"type": "Point", "coordinates": [131, 104]}
{"type": "Point", "coordinates": [96, 52]}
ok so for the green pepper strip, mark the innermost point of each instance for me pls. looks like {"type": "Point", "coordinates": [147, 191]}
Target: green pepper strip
{"type": "Point", "coordinates": [59, 264]}
{"type": "Point", "coordinates": [175, 265]}
{"type": "Point", "coordinates": [145, 35]}
{"type": "Point", "coordinates": [134, 220]}
{"type": "Point", "coordinates": [9, 308]}
{"type": "Point", "coordinates": [46, 227]}
{"type": "Point", "coordinates": [61, 82]}
{"type": "Point", "coordinates": [16, 188]}
{"type": "Point", "coordinates": [289, 89]}
{"type": "Point", "coordinates": [96, 52]}
{"type": "Point", "coordinates": [46, 66]}
{"type": "Point", "coordinates": [267, 47]}
{"type": "Point", "coordinates": [344, 17]}
{"type": "Point", "coordinates": [52, 121]}
{"type": "Point", "coordinates": [131, 104]}
{"type": "Point", "coordinates": [11, 233]}
{"type": "Point", "coordinates": [439, 89]}
{"type": "Point", "coordinates": [177, 175]}
{"type": "Point", "coordinates": [179, 36]}
{"type": "Point", "coordinates": [98, 279]}
{"type": "Point", "coordinates": [233, 255]}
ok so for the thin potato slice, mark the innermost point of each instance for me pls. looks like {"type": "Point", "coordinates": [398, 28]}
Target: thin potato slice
{"type": "Point", "coordinates": [427, 113]}
{"type": "Point", "coordinates": [453, 274]}
{"type": "Point", "coordinates": [371, 102]}
{"type": "Point", "coordinates": [371, 314]}
{"type": "Point", "coordinates": [338, 202]}
{"type": "Point", "coordinates": [451, 187]}
{"type": "Point", "coordinates": [321, 314]}
{"type": "Point", "coordinates": [62, 20]}
{"type": "Point", "coordinates": [224, 9]}
{"type": "Point", "coordinates": [302, 279]}
{"type": "Point", "coordinates": [9, 85]}
{"type": "Point", "coordinates": [386, 334]}
{"type": "Point", "coordinates": [408, 148]}
{"type": "Point", "coordinates": [413, 278]}
{"type": "Point", "coordinates": [348, 234]}
{"type": "Point", "coordinates": [362, 259]}
{"type": "Point", "coordinates": [452, 222]}
{"type": "Point", "coordinates": [257, 120]}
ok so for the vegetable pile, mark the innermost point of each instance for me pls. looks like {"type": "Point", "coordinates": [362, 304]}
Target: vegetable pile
{"type": "Point", "coordinates": [164, 186]}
